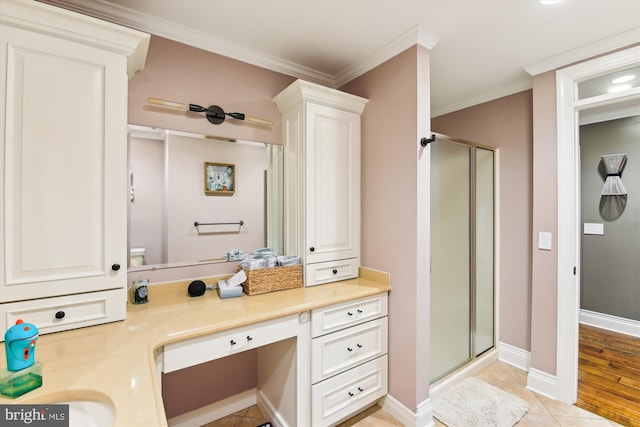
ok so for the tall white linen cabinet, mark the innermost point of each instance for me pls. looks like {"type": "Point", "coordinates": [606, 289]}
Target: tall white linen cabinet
{"type": "Point", "coordinates": [63, 187]}
{"type": "Point", "coordinates": [322, 179]}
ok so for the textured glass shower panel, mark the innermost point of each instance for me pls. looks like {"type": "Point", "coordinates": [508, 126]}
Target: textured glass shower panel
{"type": "Point", "coordinates": [484, 250]}
{"type": "Point", "coordinates": [450, 258]}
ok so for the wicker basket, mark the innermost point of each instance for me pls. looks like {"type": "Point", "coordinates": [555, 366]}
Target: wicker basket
{"type": "Point", "coordinates": [272, 279]}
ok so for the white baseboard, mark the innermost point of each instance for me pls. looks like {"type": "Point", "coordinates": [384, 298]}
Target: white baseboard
{"type": "Point", "coordinates": [269, 411]}
{"type": "Point", "coordinates": [514, 356]}
{"type": "Point", "coordinates": [611, 323]}
{"type": "Point", "coordinates": [542, 383]}
{"type": "Point", "coordinates": [206, 414]}
{"type": "Point", "coordinates": [422, 418]}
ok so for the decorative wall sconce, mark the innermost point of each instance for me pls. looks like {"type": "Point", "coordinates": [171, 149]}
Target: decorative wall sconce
{"type": "Point", "coordinates": [213, 113]}
{"type": "Point", "coordinates": [613, 165]}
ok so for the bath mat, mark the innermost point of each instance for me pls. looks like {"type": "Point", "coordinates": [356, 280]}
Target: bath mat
{"type": "Point", "coordinates": [475, 403]}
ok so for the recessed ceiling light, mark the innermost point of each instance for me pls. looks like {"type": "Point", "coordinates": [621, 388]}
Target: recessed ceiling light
{"type": "Point", "coordinates": [623, 79]}
{"type": "Point", "coordinates": [549, 1]}
{"type": "Point", "coordinates": [619, 88]}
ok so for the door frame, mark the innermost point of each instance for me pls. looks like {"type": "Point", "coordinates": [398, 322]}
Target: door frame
{"type": "Point", "coordinates": [568, 167]}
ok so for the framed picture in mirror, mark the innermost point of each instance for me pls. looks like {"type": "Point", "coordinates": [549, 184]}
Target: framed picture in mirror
{"type": "Point", "coordinates": [219, 179]}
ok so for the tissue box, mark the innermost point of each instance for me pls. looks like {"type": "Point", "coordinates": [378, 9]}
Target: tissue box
{"type": "Point", "coordinates": [272, 279]}
{"type": "Point", "coordinates": [226, 291]}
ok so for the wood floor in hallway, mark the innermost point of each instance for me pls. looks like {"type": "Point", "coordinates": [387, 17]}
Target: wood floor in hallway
{"type": "Point", "coordinates": [609, 375]}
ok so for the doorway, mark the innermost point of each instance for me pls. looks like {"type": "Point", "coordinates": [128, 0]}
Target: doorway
{"type": "Point", "coordinates": [462, 299]}
{"type": "Point", "coordinates": [576, 99]}
{"type": "Point", "coordinates": [610, 218]}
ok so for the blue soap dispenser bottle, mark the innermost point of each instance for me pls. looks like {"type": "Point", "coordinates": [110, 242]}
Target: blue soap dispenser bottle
{"type": "Point", "coordinates": [23, 373]}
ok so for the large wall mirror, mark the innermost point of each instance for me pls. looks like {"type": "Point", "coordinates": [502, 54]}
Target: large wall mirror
{"type": "Point", "coordinates": [171, 189]}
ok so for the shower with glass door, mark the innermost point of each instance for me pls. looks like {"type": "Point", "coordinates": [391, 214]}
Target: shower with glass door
{"type": "Point", "coordinates": [462, 298]}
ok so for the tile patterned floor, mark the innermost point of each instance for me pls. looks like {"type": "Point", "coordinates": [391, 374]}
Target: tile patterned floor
{"type": "Point", "coordinates": [248, 417]}
{"type": "Point", "coordinates": [543, 412]}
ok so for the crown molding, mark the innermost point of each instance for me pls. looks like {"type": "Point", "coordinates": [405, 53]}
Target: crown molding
{"type": "Point", "coordinates": [485, 97]}
{"type": "Point", "coordinates": [163, 28]}
{"type": "Point", "coordinates": [417, 35]}
{"type": "Point", "coordinates": [303, 90]}
{"type": "Point", "coordinates": [65, 24]}
{"type": "Point", "coordinates": [580, 54]}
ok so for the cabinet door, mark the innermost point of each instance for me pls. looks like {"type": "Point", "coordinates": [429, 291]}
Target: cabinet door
{"type": "Point", "coordinates": [63, 213]}
{"type": "Point", "coordinates": [333, 184]}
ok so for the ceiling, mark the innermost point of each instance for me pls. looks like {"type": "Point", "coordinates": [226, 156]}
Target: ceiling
{"type": "Point", "coordinates": [480, 49]}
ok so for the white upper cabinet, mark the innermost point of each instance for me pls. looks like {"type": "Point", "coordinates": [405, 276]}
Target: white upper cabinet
{"type": "Point", "coordinates": [64, 80]}
{"type": "Point", "coordinates": [322, 179]}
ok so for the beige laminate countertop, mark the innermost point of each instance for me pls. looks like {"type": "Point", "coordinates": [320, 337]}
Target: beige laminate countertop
{"type": "Point", "coordinates": [114, 363]}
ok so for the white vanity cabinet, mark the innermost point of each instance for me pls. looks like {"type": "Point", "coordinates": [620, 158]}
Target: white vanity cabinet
{"type": "Point", "coordinates": [63, 189]}
{"type": "Point", "coordinates": [322, 179]}
{"type": "Point", "coordinates": [348, 358]}
{"type": "Point", "coordinates": [315, 368]}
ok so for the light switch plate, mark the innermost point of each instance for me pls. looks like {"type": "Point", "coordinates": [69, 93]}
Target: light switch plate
{"type": "Point", "coordinates": [544, 240]}
{"type": "Point", "coordinates": [594, 228]}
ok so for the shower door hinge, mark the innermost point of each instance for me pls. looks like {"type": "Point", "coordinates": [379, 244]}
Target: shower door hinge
{"type": "Point", "coordinates": [574, 271]}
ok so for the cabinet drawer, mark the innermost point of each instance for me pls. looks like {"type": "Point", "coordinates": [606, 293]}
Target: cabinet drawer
{"type": "Point", "coordinates": [340, 316]}
{"type": "Point", "coordinates": [56, 314]}
{"type": "Point", "coordinates": [193, 351]}
{"type": "Point", "coordinates": [341, 396]}
{"type": "Point", "coordinates": [332, 271]}
{"type": "Point", "coordinates": [339, 351]}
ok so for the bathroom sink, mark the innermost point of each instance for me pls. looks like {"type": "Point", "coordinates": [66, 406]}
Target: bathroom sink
{"type": "Point", "coordinates": [87, 408]}
{"type": "Point", "coordinates": [89, 413]}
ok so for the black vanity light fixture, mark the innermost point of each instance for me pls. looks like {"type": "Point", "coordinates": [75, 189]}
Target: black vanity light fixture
{"type": "Point", "coordinates": [213, 113]}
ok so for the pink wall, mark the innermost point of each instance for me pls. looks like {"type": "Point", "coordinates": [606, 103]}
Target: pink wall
{"type": "Point", "coordinates": [506, 124]}
{"type": "Point", "coordinates": [544, 278]}
{"type": "Point", "coordinates": [146, 162]}
{"type": "Point", "coordinates": [395, 210]}
{"type": "Point", "coordinates": [197, 386]}
{"type": "Point", "coordinates": [186, 74]}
